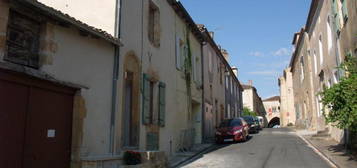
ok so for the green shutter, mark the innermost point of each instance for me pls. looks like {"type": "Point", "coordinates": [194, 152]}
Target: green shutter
{"type": "Point", "coordinates": [152, 141]}
{"type": "Point", "coordinates": [162, 103]}
{"type": "Point", "coordinates": [146, 99]}
{"type": "Point", "coordinates": [334, 8]}
{"type": "Point", "coordinates": [336, 16]}
{"type": "Point", "coordinates": [344, 11]}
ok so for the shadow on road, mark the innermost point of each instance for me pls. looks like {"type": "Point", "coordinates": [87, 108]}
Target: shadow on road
{"type": "Point", "coordinates": [212, 149]}
{"type": "Point", "coordinates": [341, 149]}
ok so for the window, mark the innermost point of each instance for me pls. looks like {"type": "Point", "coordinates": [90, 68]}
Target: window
{"type": "Point", "coordinates": [344, 10]}
{"type": "Point", "coordinates": [329, 34]}
{"type": "Point", "coordinates": [193, 68]}
{"type": "Point", "coordinates": [151, 109]}
{"type": "Point", "coordinates": [198, 70]}
{"type": "Point", "coordinates": [154, 24]}
{"type": "Point", "coordinates": [162, 103]}
{"type": "Point", "coordinates": [210, 62]}
{"type": "Point", "coordinates": [220, 74]}
{"type": "Point", "coordinates": [319, 106]}
{"type": "Point", "coordinates": [315, 62]}
{"type": "Point", "coordinates": [23, 40]}
{"type": "Point", "coordinates": [227, 81]}
{"type": "Point", "coordinates": [181, 53]}
{"type": "Point", "coordinates": [336, 15]}
{"type": "Point", "coordinates": [335, 76]}
{"type": "Point", "coordinates": [321, 50]}
{"type": "Point", "coordinates": [302, 75]}
{"type": "Point", "coordinates": [231, 85]}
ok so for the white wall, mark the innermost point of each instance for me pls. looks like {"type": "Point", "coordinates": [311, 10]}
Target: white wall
{"type": "Point", "coordinates": [161, 62]}
{"type": "Point", "coordinates": [97, 13]}
{"type": "Point", "coordinates": [88, 62]}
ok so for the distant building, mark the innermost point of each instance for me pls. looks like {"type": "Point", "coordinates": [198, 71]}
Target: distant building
{"type": "Point", "coordinates": [272, 107]}
{"type": "Point", "coordinates": [252, 100]}
{"type": "Point", "coordinates": [287, 109]}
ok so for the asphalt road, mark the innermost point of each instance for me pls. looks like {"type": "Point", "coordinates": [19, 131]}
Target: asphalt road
{"type": "Point", "coordinates": [271, 148]}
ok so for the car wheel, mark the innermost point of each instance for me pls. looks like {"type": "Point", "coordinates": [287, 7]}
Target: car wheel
{"type": "Point", "coordinates": [245, 138]}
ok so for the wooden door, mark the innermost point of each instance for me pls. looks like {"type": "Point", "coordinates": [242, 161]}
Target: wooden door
{"type": "Point", "coordinates": [13, 104]}
{"type": "Point", "coordinates": [35, 122]}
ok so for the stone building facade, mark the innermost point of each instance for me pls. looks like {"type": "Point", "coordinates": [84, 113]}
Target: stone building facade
{"type": "Point", "coordinates": [328, 36]}
{"type": "Point", "coordinates": [252, 100]}
{"type": "Point", "coordinates": [287, 108]}
{"type": "Point", "coordinates": [65, 69]}
{"type": "Point", "coordinates": [272, 108]}
{"type": "Point", "coordinates": [149, 95]}
{"type": "Point", "coordinates": [217, 93]}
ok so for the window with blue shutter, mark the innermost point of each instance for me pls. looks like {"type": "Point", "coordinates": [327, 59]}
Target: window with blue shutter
{"type": "Point", "coordinates": [146, 100]}
{"type": "Point", "coordinates": [336, 16]}
{"type": "Point", "coordinates": [344, 10]}
{"type": "Point", "coordinates": [162, 103]}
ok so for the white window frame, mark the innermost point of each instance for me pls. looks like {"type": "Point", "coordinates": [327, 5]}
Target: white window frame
{"type": "Point", "coordinates": [315, 62]}
{"type": "Point", "coordinates": [321, 50]}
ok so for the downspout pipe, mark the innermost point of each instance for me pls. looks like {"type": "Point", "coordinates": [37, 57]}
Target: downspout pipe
{"type": "Point", "coordinates": [203, 93]}
{"type": "Point", "coordinates": [117, 30]}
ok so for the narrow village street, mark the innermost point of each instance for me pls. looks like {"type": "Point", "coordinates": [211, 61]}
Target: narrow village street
{"type": "Point", "coordinates": [178, 83]}
{"type": "Point", "coordinates": [271, 148]}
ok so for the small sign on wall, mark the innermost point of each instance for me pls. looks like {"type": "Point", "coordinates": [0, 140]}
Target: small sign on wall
{"type": "Point", "coordinates": [51, 133]}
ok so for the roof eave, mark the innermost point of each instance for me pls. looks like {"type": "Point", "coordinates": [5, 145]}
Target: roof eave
{"type": "Point", "coordinates": [56, 15]}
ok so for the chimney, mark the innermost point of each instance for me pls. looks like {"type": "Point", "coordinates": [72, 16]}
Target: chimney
{"type": "Point", "coordinates": [225, 54]}
{"type": "Point", "coordinates": [250, 82]}
{"type": "Point", "coordinates": [235, 71]}
{"type": "Point", "coordinates": [211, 33]}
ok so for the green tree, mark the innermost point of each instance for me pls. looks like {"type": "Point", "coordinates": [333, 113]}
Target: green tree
{"type": "Point", "coordinates": [340, 101]}
{"type": "Point", "coordinates": [248, 112]}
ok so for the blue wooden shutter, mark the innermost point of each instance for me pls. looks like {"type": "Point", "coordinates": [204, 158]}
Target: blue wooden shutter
{"type": "Point", "coordinates": [336, 16]}
{"type": "Point", "coordinates": [344, 11]}
{"type": "Point", "coordinates": [146, 99]}
{"type": "Point", "coordinates": [162, 103]}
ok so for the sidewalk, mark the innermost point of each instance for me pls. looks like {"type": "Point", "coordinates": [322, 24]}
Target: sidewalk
{"type": "Point", "coordinates": [182, 157]}
{"type": "Point", "coordinates": [330, 149]}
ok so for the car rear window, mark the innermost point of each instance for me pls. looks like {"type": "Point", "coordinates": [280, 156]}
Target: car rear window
{"type": "Point", "coordinates": [235, 123]}
{"type": "Point", "coordinates": [248, 119]}
{"type": "Point", "coordinates": [225, 123]}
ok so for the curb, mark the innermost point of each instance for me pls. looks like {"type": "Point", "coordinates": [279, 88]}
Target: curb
{"type": "Point", "coordinates": [193, 156]}
{"type": "Point", "coordinates": [319, 152]}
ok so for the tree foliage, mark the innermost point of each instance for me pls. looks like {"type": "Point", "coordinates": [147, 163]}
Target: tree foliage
{"type": "Point", "coordinates": [340, 100]}
{"type": "Point", "coordinates": [248, 112]}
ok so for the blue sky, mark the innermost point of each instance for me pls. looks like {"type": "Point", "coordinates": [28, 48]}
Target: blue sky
{"type": "Point", "coordinates": [256, 33]}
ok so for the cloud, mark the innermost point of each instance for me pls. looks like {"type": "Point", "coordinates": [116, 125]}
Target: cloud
{"type": "Point", "coordinates": [265, 73]}
{"type": "Point", "coordinates": [273, 65]}
{"type": "Point", "coordinates": [256, 54]}
{"type": "Point", "coordinates": [282, 52]}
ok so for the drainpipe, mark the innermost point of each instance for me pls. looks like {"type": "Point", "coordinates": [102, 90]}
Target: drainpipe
{"type": "Point", "coordinates": [117, 28]}
{"type": "Point", "coordinates": [203, 92]}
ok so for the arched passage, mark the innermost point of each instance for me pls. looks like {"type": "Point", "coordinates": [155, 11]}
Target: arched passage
{"type": "Point", "coordinates": [274, 121]}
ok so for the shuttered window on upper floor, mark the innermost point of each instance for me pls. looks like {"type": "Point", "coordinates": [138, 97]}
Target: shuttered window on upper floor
{"type": "Point", "coordinates": [344, 10]}
{"type": "Point", "coordinates": [23, 35]}
{"type": "Point", "coordinates": [154, 24]}
{"type": "Point", "coordinates": [162, 103]}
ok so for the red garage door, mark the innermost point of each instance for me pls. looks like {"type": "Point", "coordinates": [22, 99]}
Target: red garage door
{"type": "Point", "coordinates": [35, 122]}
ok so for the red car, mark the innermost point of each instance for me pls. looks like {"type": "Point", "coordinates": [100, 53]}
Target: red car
{"type": "Point", "coordinates": [232, 130]}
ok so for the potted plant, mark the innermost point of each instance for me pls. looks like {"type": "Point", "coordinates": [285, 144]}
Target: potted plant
{"type": "Point", "coordinates": [132, 158]}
